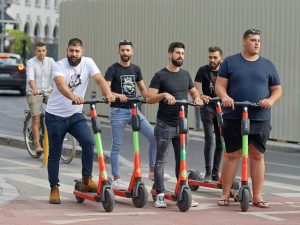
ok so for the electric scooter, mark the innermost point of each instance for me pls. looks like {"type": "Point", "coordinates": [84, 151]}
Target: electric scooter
{"type": "Point", "coordinates": [244, 195]}
{"type": "Point", "coordinates": [182, 194]}
{"type": "Point", "coordinates": [104, 192]}
{"type": "Point", "coordinates": [136, 189]}
{"type": "Point", "coordinates": [195, 180]}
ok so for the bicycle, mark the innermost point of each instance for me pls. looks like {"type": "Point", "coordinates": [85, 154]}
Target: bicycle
{"type": "Point", "coordinates": [69, 144]}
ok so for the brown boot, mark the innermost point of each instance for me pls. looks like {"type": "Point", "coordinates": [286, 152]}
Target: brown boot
{"type": "Point", "coordinates": [54, 195]}
{"type": "Point", "coordinates": [88, 185]}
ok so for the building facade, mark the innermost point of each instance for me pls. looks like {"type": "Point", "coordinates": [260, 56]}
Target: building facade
{"type": "Point", "coordinates": [37, 18]}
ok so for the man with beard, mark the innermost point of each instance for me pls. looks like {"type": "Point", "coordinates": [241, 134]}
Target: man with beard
{"type": "Point", "coordinates": [122, 78]}
{"type": "Point", "coordinates": [205, 80]}
{"type": "Point", "coordinates": [71, 76]}
{"type": "Point", "coordinates": [171, 83]}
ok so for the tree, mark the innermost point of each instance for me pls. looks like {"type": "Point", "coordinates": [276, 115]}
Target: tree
{"type": "Point", "coordinates": [17, 39]}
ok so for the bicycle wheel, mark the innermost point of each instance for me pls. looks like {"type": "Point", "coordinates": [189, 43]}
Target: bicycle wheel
{"type": "Point", "coordinates": [28, 137]}
{"type": "Point", "coordinates": [69, 149]}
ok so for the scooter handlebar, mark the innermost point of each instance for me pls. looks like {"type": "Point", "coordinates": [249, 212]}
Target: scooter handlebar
{"type": "Point", "coordinates": [183, 102]}
{"type": "Point", "coordinates": [93, 101]}
{"type": "Point", "coordinates": [247, 104]}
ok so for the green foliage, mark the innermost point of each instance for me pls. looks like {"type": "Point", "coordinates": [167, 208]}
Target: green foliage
{"type": "Point", "coordinates": [16, 44]}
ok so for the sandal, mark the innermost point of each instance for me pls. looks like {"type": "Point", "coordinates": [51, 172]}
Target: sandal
{"type": "Point", "coordinates": [223, 202]}
{"type": "Point", "coordinates": [261, 204]}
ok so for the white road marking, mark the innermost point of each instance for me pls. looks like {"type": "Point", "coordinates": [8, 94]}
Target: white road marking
{"type": "Point", "coordinates": [46, 198]}
{"type": "Point", "coordinates": [267, 215]}
{"type": "Point", "coordinates": [111, 214]}
{"type": "Point", "coordinates": [279, 164]}
{"type": "Point", "coordinates": [39, 182]}
{"type": "Point", "coordinates": [289, 195]}
{"type": "Point", "coordinates": [71, 221]}
{"type": "Point", "coordinates": [29, 165]}
{"type": "Point", "coordinates": [281, 175]}
{"type": "Point", "coordinates": [202, 206]}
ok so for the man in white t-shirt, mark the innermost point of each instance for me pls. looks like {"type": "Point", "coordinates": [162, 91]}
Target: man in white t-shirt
{"type": "Point", "coordinates": [71, 76]}
{"type": "Point", "coordinates": [38, 71]}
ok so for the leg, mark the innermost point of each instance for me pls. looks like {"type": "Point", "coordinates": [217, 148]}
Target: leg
{"type": "Point", "coordinates": [36, 121]}
{"type": "Point", "coordinates": [229, 169]}
{"type": "Point", "coordinates": [162, 154]}
{"type": "Point", "coordinates": [207, 121]}
{"type": "Point", "coordinates": [148, 132]}
{"type": "Point", "coordinates": [218, 149]}
{"type": "Point", "coordinates": [57, 129]}
{"type": "Point", "coordinates": [79, 129]}
{"type": "Point", "coordinates": [119, 119]}
{"type": "Point", "coordinates": [257, 172]}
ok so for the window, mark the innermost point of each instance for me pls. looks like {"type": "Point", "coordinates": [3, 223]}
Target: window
{"type": "Point", "coordinates": [38, 3]}
{"type": "Point", "coordinates": [47, 5]}
{"type": "Point", "coordinates": [27, 2]}
{"type": "Point", "coordinates": [55, 3]}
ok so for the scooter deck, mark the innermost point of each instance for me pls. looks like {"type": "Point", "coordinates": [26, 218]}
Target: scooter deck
{"type": "Point", "coordinates": [92, 196]}
{"type": "Point", "coordinates": [205, 183]}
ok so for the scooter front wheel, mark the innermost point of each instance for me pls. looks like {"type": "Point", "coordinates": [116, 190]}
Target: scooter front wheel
{"type": "Point", "coordinates": [186, 199]}
{"type": "Point", "coordinates": [109, 202]}
{"type": "Point", "coordinates": [245, 200]}
{"type": "Point", "coordinates": [142, 197]}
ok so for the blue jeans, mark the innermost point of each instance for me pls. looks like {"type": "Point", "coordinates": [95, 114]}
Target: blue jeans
{"type": "Point", "coordinates": [119, 118]}
{"type": "Point", "coordinates": [165, 134]}
{"type": "Point", "coordinates": [57, 128]}
{"type": "Point", "coordinates": [211, 130]}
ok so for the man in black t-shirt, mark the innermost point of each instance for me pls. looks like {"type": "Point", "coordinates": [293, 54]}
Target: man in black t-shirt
{"type": "Point", "coordinates": [171, 83]}
{"type": "Point", "coordinates": [122, 77]}
{"type": "Point", "coordinates": [205, 80]}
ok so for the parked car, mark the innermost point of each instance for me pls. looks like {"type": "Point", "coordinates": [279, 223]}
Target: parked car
{"type": "Point", "coordinates": [12, 73]}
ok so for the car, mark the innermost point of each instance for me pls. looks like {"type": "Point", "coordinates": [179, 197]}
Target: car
{"type": "Point", "coordinates": [12, 73]}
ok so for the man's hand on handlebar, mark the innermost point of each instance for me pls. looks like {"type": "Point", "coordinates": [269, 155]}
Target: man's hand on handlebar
{"type": "Point", "coordinates": [110, 98]}
{"type": "Point", "coordinates": [170, 99]}
{"type": "Point", "coordinates": [266, 103]}
{"type": "Point", "coordinates": [228, 102]}
{"type": "Point", "coordinates": [205, 98]}
{"type": "Point", "coordinates": [198, 101]}
{"type": "Point", "coordinates": [77, 100]}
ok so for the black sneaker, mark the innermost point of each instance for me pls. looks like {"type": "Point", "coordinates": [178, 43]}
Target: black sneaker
{"type": "Point", "coordinates": [215, 177]}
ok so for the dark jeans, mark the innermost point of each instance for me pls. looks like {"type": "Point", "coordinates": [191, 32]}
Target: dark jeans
{"type": "Point", "coordinates": [57, 128]}
{"type": "Point", "coordinates": [211, 130]}
{"type": "Point", "coordinates": [164, 135]}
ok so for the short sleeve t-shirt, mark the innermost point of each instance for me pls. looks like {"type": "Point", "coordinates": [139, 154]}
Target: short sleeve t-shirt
{"type": "Point", "coordinates": [175, 83]}
{"type": "Point", "coordinates": [248, 81]}
{"type": "Point", "coordinates": [123, 81]}
{"type": "Point", "coordinates": [77, 79]}
{"type": "Point", "coordinates": [207, 78]}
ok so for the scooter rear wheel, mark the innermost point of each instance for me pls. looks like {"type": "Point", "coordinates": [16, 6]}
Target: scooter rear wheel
{"type": "Point", "coordinates": [79, 199]}
{"type": "Point", "coordinates": [194, 175]}
{"type": "Point", "coordinates": [141, 200]}
{"type": "Point", "coordinates": [185, 203]}
{"type": "Point", "coordinates": [245, 200]}
{"type": "Point", "coordinates": [109, 203]}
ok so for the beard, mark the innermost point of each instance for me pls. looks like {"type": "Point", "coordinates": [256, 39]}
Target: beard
{"type": "Point", "coordinates": [214, 66]}
{"type": "Point", "coordinates": [125, 58]}
{"type": "Point", "coordinates": [73, 61]}
{"type": "Point", "coordinates": [176, 62]}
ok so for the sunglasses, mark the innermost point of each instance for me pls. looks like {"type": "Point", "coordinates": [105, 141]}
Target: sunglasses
{"type": "Point", "coordinates": [251, 31]}
{"type": "Point", "coordinates": [125, 42]}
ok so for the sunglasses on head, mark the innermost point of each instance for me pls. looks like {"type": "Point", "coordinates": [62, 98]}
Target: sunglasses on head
{"type": "Point", "coordinates": [125, 42]}
{"type": "Point", "coordinates": [251, 31]}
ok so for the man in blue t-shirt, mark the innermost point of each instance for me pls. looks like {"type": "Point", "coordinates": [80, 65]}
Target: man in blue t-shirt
{"type": "Point", "coordinates": [247, 76]}
{"type": "Point", "coordinates": [171, 83]}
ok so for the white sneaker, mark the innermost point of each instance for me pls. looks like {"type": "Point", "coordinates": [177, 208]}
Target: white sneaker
{"type": "Point", "coordinates": [160, 201]}
{"type": "Point", "coordinates": [118, 184]}
{"type": "Point", "coordinates": [151, 176]}
{"type": "Point", "coordinates": [194, 203]}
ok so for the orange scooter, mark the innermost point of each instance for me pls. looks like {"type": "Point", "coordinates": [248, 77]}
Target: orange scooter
{"type": "Point", "coordinates": [136, 190]}
{"type": "Point", "coordinates": [195, 180]}
{"type": "Point", "coordinates": [245, 196]}
{"type": "Point", "coordinates": [182, 194]}
{"type": "Point", "coordinates": [104, 192]}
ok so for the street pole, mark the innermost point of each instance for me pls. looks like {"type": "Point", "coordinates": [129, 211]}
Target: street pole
{"type": "Point", "coordinates": [2, 25]}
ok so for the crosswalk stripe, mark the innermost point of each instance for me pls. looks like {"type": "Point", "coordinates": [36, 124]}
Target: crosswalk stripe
{"type": "Point", "coordinates": [286, 176]}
